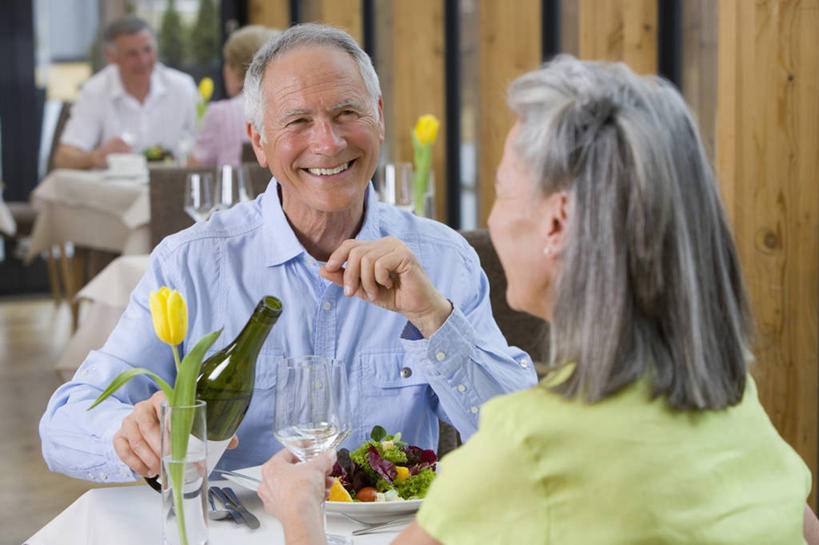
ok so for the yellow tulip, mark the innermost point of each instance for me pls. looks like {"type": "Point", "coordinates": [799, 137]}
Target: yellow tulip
{"type": "Point", "coordinates": [206, 88]}
{"type": "Point", "coordinates": [427, 129]}
{"type": "Point", "coordinates": [170, 315]}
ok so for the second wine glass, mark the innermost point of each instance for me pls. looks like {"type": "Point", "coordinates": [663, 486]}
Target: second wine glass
{"type": "Point", "coordinates": [199, 201]}
{"type": "Point", "coordinates": [312, 414]}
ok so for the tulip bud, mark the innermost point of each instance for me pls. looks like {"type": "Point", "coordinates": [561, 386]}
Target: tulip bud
{"type": "Point", "coordinates": [206, 88]}
{"type": "Point", "coordinates": [170, 315]}
{"type": "Point", "coordinates": [427, 129]}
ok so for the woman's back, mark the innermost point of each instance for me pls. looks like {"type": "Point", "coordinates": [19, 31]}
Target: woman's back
{"type": "Point", "coordinates": [627, 470]}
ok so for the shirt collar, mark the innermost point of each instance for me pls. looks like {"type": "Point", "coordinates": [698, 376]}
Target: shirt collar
{"type": "Point", "coordinates": [280, 242]}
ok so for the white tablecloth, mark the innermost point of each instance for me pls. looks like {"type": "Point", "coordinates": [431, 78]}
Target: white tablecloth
{"type": "Point", "coordinates": [91, 210]}
{"type": "Point", "coordinates": [106, 297]}
{"type": "Point", "coordinates": [131, 516]}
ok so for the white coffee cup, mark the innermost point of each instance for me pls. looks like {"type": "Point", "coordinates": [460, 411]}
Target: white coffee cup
{"type": "Point", "coordinates": [127, 164]}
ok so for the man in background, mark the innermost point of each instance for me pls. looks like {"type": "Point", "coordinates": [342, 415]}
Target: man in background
{"type": "Point", "coordinates": [132, 104]}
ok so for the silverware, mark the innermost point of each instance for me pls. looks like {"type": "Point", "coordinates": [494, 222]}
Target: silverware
{"type": "Point", "coordinates": [237, 516]}
{"type": "Point", "coordinates": [218, 514]}
{"type": "Point", "coordinates": [237, 475]}
{"type": "Point", "coordinates": [405, 519]}
{"type": "Point", "coordinates": [250, 518]}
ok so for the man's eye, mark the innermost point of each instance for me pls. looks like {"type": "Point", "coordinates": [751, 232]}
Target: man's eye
{"type": "Point", "coordinates": [297, 121]}
{"type": "Point", "coordinates": [348, 113]}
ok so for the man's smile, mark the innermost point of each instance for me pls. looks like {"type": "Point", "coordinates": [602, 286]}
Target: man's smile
{"type": "Point", "coordinates": [329, 171]}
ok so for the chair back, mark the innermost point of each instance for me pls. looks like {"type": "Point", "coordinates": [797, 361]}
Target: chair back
{"type": "Point", "coordinates": [167, 195]}
{"type": "Point", "coordinates": [257, 176]}
{"type": "Point", "coordinates": [248, 155]}
{"type": "Point", "coordinates": [62, 119]}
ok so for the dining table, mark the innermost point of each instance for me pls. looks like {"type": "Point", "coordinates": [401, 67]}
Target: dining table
{"type": "Point", "coordinates": [130, 515]}
{"type": "Point", "coordinates": [93, 210]}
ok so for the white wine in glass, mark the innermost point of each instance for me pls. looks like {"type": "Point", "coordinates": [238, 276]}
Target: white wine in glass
{"type": "Point", "coordinates": [312, 414]}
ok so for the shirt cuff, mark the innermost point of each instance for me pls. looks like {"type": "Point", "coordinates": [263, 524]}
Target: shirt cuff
{"type": "Point", "coordinates": [447, 348]}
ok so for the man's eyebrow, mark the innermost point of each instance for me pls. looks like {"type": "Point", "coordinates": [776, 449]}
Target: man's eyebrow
{"type": "Point", "coordinates": [345, 104]}
{"type": "Point", "coordinates": [294, 113]}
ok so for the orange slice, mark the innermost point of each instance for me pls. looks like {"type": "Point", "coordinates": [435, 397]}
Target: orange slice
{"type": "Point", "coordinates": [338, 492]}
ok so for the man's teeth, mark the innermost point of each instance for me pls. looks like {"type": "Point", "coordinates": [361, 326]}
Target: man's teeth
{"type": "Point", "coordinates": [328, 171]}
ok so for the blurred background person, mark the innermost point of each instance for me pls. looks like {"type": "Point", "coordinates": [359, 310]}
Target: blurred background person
{"type": "Point", "coordinates": [223, 129]}
{"type": "Point", "coordinates": [608, 223]}
{"type": "Point", "coordinates": [132, 104]}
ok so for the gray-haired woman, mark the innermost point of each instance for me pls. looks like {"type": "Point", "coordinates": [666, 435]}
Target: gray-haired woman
{"type": "Point", "coordinates": [609, 224]}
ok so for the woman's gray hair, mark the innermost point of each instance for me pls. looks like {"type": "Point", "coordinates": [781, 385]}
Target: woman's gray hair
{"type": "Point", "coordinates": [650, 284]}
{"type": "Point", "coordinates": [296, 36]}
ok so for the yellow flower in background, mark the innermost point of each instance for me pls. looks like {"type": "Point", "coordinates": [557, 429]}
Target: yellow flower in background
{"type": "Point", "coordinates": [170, 315]}
{"type": "Point", "coordinates": [423, 137]}
{"type": "Point", "coordinates": [426, 129]}
{"type": "Point", "coordinates": [206, 88]}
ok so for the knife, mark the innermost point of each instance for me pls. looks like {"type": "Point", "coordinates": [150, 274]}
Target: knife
{"type": "Point", "coordinates": [250, 518]}
{"type": "Point", "coordinates": [237, 515]}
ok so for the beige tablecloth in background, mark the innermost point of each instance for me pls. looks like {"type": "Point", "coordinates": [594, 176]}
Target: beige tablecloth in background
{"type": "Point", "coordinates": [105, 298]}
{"type": "Point", "coordinates": [92, 210]}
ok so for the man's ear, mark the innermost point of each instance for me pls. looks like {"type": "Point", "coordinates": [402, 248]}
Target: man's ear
{"type": "Point", "coordinates": [256, 141]}
{"type": "Point", "coordinates": [381, 130]}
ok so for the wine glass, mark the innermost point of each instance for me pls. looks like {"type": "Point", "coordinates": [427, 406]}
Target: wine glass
{"type": "Point", "coordinates": [199, 201]}
{"type": "Point", "coordinates": [395, 185]}
{"type": "Point", "coordinates": [312, 411]}
{"type": "Point", "coordinates": [225, 194]}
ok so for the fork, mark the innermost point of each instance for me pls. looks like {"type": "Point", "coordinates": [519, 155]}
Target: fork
{"type": "Point", "coordinates": [373, 526]}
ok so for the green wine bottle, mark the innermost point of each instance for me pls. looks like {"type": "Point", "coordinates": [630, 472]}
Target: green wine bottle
{"type": "Point", "coordinates": [226, 378]}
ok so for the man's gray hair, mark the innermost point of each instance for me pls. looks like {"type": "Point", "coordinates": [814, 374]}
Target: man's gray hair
{"type": "Point", "coordinates": [127, 25]}
{"type": "Point", "coordinates": [296, 36]}
{"type": "Point", "coordinates": [650, 285]}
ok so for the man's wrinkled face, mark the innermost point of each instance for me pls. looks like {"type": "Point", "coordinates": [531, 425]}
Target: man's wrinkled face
{"type": "Point", "coordinates": [135, 54]}
{"type": "Point", "coordinates": [322, 129]}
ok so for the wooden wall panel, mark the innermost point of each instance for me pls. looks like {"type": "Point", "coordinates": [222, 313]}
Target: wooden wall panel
{"type": "Point", "coordinates": [418, 83]}
{"type": "Point", "coordinates": [767, 143]}
{"type": "Point", "coordinates": [509, 46]}
{"type": "Point", "coordinates": [620, 30]}
{"type": "Point", "coordinates": [699, 66]}
{"type": "Point", "coordinates": [344, 14]}
{"type": "Point", "coordinates": [271, 13]}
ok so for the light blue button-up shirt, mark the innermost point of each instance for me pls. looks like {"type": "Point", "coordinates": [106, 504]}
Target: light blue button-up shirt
{"type": "Point", "coordinates": [223, 267]}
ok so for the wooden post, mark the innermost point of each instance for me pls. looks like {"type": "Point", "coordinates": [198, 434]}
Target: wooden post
{"type": "Point", "coordinates": [620, 30]}
{"type": "Point", "coordinates": [417, 83]}
{"type": "Point", "coordinates": [271, 13]}
{"type": "Point", "coordinates": [509, 46]}
{"type": "Point", "coordinates": [767, 164]}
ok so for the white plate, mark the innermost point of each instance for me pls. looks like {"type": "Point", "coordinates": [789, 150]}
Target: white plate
{"type": "Point", "coordinates": [369, 511]}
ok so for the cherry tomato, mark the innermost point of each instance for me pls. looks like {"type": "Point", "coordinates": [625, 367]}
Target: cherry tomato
{"type": "Point", "coordinates": [366, 494]}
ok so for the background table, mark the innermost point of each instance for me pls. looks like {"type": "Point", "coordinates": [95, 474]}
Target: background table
{"type": "Point", "coordinates": [94, 212]}
{"type": "Point", "coordinates": [130, 515]}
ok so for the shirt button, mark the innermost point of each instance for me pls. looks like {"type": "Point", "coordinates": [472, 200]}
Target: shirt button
{"type": "Point", "coordinates": [103, 476]}
{"type": "Point", "coordinates": [91, 476]}
{"type": "Point", "coordinates": [440, 356]}
{"type": "Point", "coordinates": [406, 372]}
{"type": "Point", "coordinates": [326, 305]}
{"type": "Point", "coordinates": [524, 363]}
{"type": "Point", "coordinates": [461, 388]}
{"type": "Point", "coordinates": [474, 410]}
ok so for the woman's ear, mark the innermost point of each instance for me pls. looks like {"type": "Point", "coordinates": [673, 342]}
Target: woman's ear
{"type": "Point", "coordinates": [554, 223]}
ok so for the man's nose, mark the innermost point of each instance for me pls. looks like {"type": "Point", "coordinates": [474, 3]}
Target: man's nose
{"type": "Point", "coordinates": [326, 139]}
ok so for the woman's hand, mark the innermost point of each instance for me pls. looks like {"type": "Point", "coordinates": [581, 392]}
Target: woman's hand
{"type": "Point", "coordinates": [293, 493]}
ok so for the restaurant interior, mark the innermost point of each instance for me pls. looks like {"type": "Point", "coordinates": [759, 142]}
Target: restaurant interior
{"type": "Point", "coordinates": [748, 71]}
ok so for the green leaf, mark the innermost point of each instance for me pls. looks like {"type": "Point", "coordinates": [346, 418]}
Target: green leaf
{"type": "Point", "coordinates": [378, 433]}
{"type": "Point", "coordinates": [124, 377]}
{"type": "Point", "coordinates": [185, 386]}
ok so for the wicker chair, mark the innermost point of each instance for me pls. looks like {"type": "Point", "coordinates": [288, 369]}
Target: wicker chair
{"type": "Point", "coordinates": [520, 329]}
{"type": "Point", "coordinates": [167, 196]}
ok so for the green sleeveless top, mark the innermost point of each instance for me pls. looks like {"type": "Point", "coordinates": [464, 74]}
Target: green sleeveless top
{"type": "Point", "coordinates": [626, 470]}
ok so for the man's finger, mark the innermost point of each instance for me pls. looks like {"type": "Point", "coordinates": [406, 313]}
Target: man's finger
{"type": "Point", "coordinates": [352, 271]}
{"type": "Point", "coordinates": [340, 255]}
{"type": "Point", "coordinates": [123, 450]}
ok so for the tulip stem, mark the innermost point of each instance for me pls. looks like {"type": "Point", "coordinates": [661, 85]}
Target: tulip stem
{"type": "Point", "coordinates": [175, 357]}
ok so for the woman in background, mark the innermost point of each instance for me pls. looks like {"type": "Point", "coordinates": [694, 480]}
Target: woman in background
{"type": "Point", "coordinates": [222, 132]}
{"type": "Point", "coordinates": [608, 223]}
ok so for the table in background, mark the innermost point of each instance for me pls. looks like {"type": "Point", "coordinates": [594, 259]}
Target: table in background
{"type": "Point", "coordinates": [130, 515]}
{"type": "Point", "coordinates": [92, 211]}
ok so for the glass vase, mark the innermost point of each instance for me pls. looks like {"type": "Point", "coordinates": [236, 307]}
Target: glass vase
{"type": "Point", "coordinates": [184, 474]}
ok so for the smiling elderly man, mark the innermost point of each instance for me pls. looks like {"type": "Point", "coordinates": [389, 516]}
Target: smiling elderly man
{"type": "Point", "coordinates": [132, 104]}
{"type": "Point", "coordinates": [401, 300]}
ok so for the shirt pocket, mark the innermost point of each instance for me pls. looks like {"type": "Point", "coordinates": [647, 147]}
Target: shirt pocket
{"type": "Point", "coordinates": [259, 415]}
{"type": "Point", "coordinates": [392, 391]}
